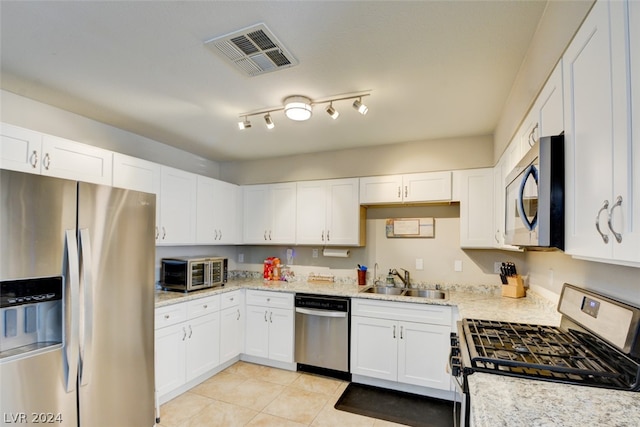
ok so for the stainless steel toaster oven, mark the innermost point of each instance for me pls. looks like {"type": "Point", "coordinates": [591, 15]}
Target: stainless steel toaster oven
{"type": "Point", "coordinates": [193, 273]}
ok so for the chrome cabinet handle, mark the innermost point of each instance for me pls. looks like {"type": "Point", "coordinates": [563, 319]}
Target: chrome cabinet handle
{"type": "Point", "coordinates": [532, 137]}
{"type": "Point", "coordinates": [164, 233]}
{"type": "Point", "coordinates": [205, 306]}
{"type": "Point", "coordinates": [271, 317]}
{"type": "Point", "coordinates": [264, 234]}
{"type": "Point", "coordinates": [265, 316]}
{"type": "Point", "coordinates": [269, 234]}
{"type": "Point", "coordinates": [184, 333]}
{"type": "Point", "coordinates": [238, 318]}
{"type": "Point", "coordinates": [495, 236]}
{"type": "Point", "coordinates": [399, 192]}
{"type": "Point", "coordinates": [46, 162]}
{"type": "Point", "coordinates": [166, 316]}
{"type": "Point", "coordinates": [190, 331]}
{"type": "Point", "coordinates": [328, 235]}
{"type": "Point", "coordinates": [34, 159]}
{"type": "Point", "coordinates": [617, 235]}
{"type": "Point", "coordinates": [219, 234]}
{"type": "Point", "coordinates": [323, 235]}
{"type": "Point", "coordinates": [394, 331]}
{"type": "Point", "coordinates": [605, 207]}
{"type": "Point", "coordinates": [401, 337]}
{"type": "Point", "coordinates": [406, 190]}
{"type": "Point", "coordinates": [157, 232]}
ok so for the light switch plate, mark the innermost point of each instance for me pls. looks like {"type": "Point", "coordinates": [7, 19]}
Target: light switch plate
{"type": "Point", "coordinates": [240, 257]}
{"type": "Point", "coordinates": [314, 253]}
{"type": "Point", "coordinates": [457, 265]}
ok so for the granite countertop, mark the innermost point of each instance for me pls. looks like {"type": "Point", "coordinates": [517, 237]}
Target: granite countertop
{"type": "Point", "coordinates": [496, 400]}
{"type": "Point", "coordinates": [505, 401]}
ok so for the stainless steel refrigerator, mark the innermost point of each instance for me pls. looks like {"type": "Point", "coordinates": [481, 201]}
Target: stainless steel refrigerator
{"type": "Point", "coordinates": [77, 314]}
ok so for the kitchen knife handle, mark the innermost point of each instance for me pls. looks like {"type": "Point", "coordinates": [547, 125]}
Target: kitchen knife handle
{"type": "Point", "coordinates": [605, 207]}
{"type": "Point", "coordinates": [86, 282]}
{"type": "Point", "coordinates": [72, 313]}
{"type": "Point", "coordinates": [617, 235]}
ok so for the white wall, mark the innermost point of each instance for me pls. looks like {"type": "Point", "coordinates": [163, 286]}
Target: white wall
{"type": "Point", "coordinates": [27, 113]}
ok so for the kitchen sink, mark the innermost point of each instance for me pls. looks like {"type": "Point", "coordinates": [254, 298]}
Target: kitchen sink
{"type": "Point", "coordinates": [421, 293]}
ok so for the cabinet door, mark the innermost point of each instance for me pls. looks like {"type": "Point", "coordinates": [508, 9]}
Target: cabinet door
{"type": "Point", "coordinates": [170, 345]}
{"type": "Point", "coordinates": [423, 352]}
{"type": "Point", "coordinates": [203, 344]}
{"type": "Point", "coordinates": [20, 149]}
{"type": "Point", "coordinates": [381, 189]}
{"type": "Point", "coordinates": [588, 87]}
{"type": "Point", "coordinates": [231, 333]}
{"type": "Point", "coordinates": [374, 347]}
{"type": "Point", "coordinates": [206, 203]}
{"type": "Point", "coordinates": [476, 213]}
{"type": "Point", "coordinates": [283, 213]}
{"type": "Point", "coordinates": [343, 212]}
{"type": "Point", "coordinates": [177, 207]}
{"type": "Point", "coordinates": [257, 331]}
{"type": "Point", "coordinates": [550, 105]}
{"type": "Point", "coordinates": [256, 206]}
{"type": "Point", "coordinates": [426, 187]}
{"type": "Point", "coordinates": [67, 159]}
{"type": "Point", "coordinates": [311, 212]}
{"type": "Point", "coordinates": [226, 213]}
{"type": "Point", "coordinates": [281, 334]}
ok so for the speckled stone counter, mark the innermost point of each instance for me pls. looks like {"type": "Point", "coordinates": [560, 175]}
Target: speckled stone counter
{"type": "Point", "coordinates": [477, 302]}
{"type": "Point", "coordinates": [498, 400]}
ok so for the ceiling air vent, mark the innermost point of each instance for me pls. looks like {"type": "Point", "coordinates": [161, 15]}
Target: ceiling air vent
{"type": "Point", "coordinates": [254, 50]}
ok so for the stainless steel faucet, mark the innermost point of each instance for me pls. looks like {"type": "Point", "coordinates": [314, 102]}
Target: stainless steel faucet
{"type": "Point", "coordinates": [406, 281]}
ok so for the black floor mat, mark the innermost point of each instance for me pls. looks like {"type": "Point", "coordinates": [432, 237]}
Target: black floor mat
{"type": "Point", "coordinates": [395, 406]}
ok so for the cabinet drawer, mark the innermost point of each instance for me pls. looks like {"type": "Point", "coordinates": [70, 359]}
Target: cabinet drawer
{"type": "Point", "coordinates": [270, 299]}
{"type": "Point", "coordinates": [203, 306]}
{"type": "Point", "coordinates": [410, 312]}
{"type": "Point", "coordinates": [230, 299]}
{"type": "Point", "coordinates": [170, 315]}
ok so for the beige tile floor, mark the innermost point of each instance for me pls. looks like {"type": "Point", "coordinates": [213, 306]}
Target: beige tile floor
{"type": "Point", "coordinates": [259, 396]}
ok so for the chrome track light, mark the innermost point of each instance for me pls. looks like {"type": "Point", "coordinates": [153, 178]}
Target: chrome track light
{"type": "Point", "coordinates": [245, 124]}
{"type": "Point", "coordinates": [332, 111]}
{"type": "Point", "coordinates": [358, 105]}
{"type": "Point", "coordinates": [269, 121]}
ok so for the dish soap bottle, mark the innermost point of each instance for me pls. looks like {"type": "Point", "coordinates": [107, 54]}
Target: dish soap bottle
{"type": "Point", "coordinates": [390, 280]}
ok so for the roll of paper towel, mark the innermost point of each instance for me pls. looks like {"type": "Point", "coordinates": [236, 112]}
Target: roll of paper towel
{"type": "Point", "coordinates": [339, 253]}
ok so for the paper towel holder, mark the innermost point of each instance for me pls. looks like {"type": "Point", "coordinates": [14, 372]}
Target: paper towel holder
{"type": "Point", "coordinates": [337, 253]}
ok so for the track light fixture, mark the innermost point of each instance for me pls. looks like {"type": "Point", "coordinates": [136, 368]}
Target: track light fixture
{"type": "Point", "coordinates": [268, 121]}
{"type": "Point", "coordinates": [244, 124]}
{"type": "Point", "coordinates": [300, 108]}
{"type": "Point", "coordinates": [332, 111]}
{"type": "Point", "coordinates": [358, 105]}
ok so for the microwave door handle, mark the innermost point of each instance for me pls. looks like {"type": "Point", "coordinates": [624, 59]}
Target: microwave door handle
{"type": "Point", "coordinates": [86, 343]}
{"type": "Point", "coordinates": [533, 172]}
{"type": "Point", "coordinates": [72, 322]}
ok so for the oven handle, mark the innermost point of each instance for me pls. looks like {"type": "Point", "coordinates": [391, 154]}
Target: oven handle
{"type": "Point", "coordinates": [321, 313]}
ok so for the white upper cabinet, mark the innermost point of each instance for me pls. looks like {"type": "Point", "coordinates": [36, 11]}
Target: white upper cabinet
{"type": "Point", "coordinates": [33, 152]}
{"type": "Point", "coordinates": [414, 188]}
{"type": "Point", "coordinates": [269, 213]}
{"type": "Point", "coordinates": [602, 158]}
{"type": "Point", "coordinates": [177, 207]}
{"type": "Point", "coordinates": [550, 106]}
{"type": "Point", "coordinates": [20, 149]}
{"type": "Point", "coordinates": [476, 208]}
{"type": "Point", "coordinates": [136, 174]}
{"type": "Point", "coordinates": [216, 212]}
{"type": "Point", "coordinates": [328, 213]}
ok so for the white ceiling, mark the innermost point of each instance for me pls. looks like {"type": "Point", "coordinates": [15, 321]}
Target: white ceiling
{"type": "Point", "coordinates": [435, 69]}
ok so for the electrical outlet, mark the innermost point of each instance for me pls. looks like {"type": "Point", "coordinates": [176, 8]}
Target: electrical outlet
{"type": "Point", "coordinates": [457, 265]}
{"type": "Point", "coordinates": [240, 257]}
{"type": "Point", "coordinates": [314, 253]}
{"type": "Point", "coordinates": [496, 267]}
{"type": "Point", "coordinates": [419, 264]}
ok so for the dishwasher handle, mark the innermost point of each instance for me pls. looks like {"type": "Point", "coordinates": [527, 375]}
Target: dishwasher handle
{"type": "Point", "coordinates": [321, 313]}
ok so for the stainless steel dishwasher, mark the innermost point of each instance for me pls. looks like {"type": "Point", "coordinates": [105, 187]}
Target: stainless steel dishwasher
{"type": "Point", "coordinates": [322, 334]}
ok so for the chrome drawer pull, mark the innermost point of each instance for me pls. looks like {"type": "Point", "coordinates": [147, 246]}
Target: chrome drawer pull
{"type": "Point", "coordinates": [617, 235]}
{"type": "Point", "coordinates": [605, 206]}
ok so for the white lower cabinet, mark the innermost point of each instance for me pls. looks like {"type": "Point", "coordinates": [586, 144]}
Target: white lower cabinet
{"type": "Point", "coordinates": [232, 321]}
{"type": "Point", "coordinates": [401, 342]}
{"type": "Point", "coordinates": [187, 341]}
{"type": "Point", "coordinates": [270, 325]}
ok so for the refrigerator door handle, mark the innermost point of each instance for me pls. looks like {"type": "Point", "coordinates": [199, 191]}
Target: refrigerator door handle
{"type": "Point", "coordinates": [72, 322]}
{"type": "Point", "coordinates": [86, 340]}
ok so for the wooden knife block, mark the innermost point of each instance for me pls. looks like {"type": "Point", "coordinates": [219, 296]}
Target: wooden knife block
{"type": "Point", "coordinates": [514, 287]}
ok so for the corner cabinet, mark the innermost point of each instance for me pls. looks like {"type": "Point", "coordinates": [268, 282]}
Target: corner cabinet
{"type": "Point", "coordinates": [409, 188]}
{"type": "Point", "coordinates": [603, 219]}
{"type": "Point", "coordinates": [216, 212]}
{"type": "Point", "coordinates": [177, 207]}
{"type": "Point", "coordinates": [476, 208]}
{"type": "Point", "coordinates": [328, 212]}
{"type": "Point", "coordinates": [269, 213]}
{"type": "Point", "coordinates": [401, 342]}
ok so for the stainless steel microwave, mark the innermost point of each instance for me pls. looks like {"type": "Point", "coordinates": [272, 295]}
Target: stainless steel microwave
{"type": "Point", "coordinates": [193, 273]}
{"type": "Point", "coordinates": [534, 209]}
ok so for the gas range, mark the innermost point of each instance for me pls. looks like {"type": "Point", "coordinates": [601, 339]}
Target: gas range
{"type": "Point", "coordinates": [597, 344]}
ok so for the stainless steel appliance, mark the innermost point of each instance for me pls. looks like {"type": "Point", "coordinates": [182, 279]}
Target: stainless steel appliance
{"type": "Point", "coordinates": [597, 344]}
{"type": "Point", "coordinates": [77, 306]}
{"type": "Point", "coordinates": [322, 334]}
{"type": "Point", "coordinates": [534, 210]}
{"type": "Point", "coordinates": [193, 273]}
